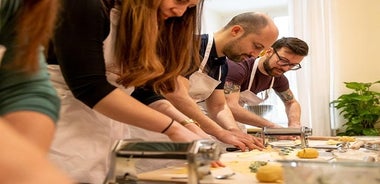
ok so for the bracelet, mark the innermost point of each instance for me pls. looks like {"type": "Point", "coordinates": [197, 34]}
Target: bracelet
{"type": "Point", "coordinates": [189, 121]}
{"type": "Point", "coordinates": [170, 124]}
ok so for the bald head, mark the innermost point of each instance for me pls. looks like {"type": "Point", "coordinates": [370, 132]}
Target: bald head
{"type": "Point", "coordinates": [252, 22]}
{"type": "Point", "coordinates": [246, 35]}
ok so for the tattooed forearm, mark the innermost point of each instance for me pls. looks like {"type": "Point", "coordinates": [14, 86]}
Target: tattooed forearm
{"type": "Point", "coordinates": [230, 87]}
{"type": "Point", "coordinates": [286, 96]}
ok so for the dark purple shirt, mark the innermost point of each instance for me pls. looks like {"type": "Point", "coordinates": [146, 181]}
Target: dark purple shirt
{"type": "Point", "coordinates": [239, 74]}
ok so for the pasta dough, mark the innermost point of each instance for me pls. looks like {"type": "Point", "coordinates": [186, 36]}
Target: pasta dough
{"type": "Point", "coordinates": [270, 173]}
{"type": "Point", "coordinates": [347, 139]}
{"type": "Point", "coordinates": [308, 153]}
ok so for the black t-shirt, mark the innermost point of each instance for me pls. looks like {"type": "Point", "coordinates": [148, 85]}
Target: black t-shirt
{"type": "Point", "coordinates": [146, 95]}
{"type": "Point", "coordinates": [214, 63]}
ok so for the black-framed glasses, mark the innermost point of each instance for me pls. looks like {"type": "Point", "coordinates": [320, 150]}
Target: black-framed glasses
{"type": "Point", "coordinates": [285, 62]}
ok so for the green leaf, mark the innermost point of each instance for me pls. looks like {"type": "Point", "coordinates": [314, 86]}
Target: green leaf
{"type": "Point", "coordinates": [360, 108]}
{"type": "Point", "coordinates": [371, 132]}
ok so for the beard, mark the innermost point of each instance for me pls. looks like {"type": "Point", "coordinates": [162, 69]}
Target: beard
{"type": "Point", "coordinates": [271, 71]}
{"type": "Point", "coordinates": [231, 51]}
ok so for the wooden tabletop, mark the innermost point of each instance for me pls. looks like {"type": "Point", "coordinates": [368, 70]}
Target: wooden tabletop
{"type": "Point", "coordinates": [239, 163]}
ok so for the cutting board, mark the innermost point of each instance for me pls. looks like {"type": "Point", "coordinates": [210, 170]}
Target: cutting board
{"type": "Point", "coordinates": [179, 175]}
{"type": "Point", "coordinates": [237, 162]}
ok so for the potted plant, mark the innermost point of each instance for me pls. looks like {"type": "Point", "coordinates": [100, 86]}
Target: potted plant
{"type": "Point", "coordinates": [360, 109]}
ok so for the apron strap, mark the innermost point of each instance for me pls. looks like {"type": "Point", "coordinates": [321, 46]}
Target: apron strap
{"type": "Point", "coordinates": [207, 55]}
{"type": "Point", "coordinates": [255, 65]}
{"type": "Point", "coordinates": [254, 69]}
{"type": "Point", "coordinates": [207, 51]}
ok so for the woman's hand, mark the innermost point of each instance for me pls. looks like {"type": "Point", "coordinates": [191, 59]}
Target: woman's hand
{"type": "Point", "coordinates": [258, 142]}
{"type": "Point", "coordinates": [216, 164]}
{"type": "Point", "coordinates": [179, 133]}
{"type": "Point", "coordinates": [197, 130]}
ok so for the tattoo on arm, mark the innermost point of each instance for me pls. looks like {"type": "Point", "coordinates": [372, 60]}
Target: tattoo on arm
{"type": "Point", "coordinates": [230, 87]}
{"type": "Point", "coordinates": [286, 96]}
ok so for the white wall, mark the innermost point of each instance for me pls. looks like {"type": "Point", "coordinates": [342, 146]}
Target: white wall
{"type": "Point", "coordinates": [356, 43]}
{"type": "Point", "coordinates": [218, 13]}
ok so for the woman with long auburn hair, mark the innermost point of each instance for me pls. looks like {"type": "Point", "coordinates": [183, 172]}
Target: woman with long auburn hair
{"type": "Point", "coordinates": [173, 45]}
{"type": "Point", "coordinates": [99, 50]}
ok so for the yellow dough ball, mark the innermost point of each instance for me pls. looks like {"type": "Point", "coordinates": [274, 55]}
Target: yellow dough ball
{"type": "Point", "coordinates": [270, 173]}
{"type": "Point", "coordinates": [308, 153]}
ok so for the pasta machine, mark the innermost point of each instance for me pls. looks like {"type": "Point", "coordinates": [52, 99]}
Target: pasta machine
{"type": "Point", "coordinates": [198, 154]}
{"type": "Point", "coordinates": [303, 132]}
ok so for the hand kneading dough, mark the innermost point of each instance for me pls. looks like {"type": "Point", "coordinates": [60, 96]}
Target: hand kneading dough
{"type": "Point", "coordinates": [308, 153]}
{"type": "Point", "coordinates": [269, 173]}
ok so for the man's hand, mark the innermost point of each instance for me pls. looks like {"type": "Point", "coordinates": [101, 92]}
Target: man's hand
{"type": "Point", "coordinates": [216, 164]}
{"type": "Point", "coordinates": [257, 142]}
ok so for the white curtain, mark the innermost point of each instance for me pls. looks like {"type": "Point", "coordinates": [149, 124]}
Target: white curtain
{"type": "Point", "coordinates": [310, 20]}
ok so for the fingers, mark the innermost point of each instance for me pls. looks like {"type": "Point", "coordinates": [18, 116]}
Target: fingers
{"type": "Point", "coordinates": [249, 144]}
{"type": "Point", "coordinates": [217, 163]}
{"type": "Point", "coordinates": [294, 138]}
{"type": "Point", "coordinates": [255, 142]}
{"type": "Point", "coordinates": [243, 141]}
{"type": "Point", "coordinates": [256, 146]}
{"type": "Point", "coordinates": [258, 141]}
{"type": "Point", "coordinates": [252, 143]}
{"type": "Point", "coordinates": [241, 145]}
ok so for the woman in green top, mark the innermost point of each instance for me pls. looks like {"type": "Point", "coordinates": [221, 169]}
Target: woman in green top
{"type": "Point", "coordinates": [28, 102]}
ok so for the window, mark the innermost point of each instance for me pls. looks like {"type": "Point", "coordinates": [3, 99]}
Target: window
{"type": "Point", "coordinates": [278, 114]}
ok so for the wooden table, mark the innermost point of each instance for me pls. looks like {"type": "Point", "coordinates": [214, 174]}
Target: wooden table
{"type": "Point", "coordinates": [239, 162]}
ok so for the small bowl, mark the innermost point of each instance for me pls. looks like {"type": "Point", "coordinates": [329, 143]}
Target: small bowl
{"type": "Point", "coordinates": [260, 110]}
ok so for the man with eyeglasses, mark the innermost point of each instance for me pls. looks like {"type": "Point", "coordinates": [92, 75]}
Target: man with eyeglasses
{"type": "Point", "coordinates": [246, 79]}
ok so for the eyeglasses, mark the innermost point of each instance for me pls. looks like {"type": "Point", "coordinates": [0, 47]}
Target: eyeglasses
{"type": "Point", "coordinates": [285, 62]}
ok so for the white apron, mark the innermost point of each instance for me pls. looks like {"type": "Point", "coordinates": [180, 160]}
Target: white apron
{"type": "Point", "coordinates": [247, 97]}
{"type": "Point", "coordinates": [202, 85]}
{"type": "Point", "coordinates": [84, 137]}
{"type": "Point", "coordinates": [113, 68]}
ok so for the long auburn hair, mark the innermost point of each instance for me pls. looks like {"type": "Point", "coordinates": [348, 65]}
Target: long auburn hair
{"type": "Point", "coordinates": [153, 52]}
{"type": "Point", "coordinates": [34, 27]}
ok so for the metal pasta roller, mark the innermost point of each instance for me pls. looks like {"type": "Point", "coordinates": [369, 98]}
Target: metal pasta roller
{"type": "Point", "coordinates": [199, 154]}
{"type": "Point", "coordinates": [302, 132]}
